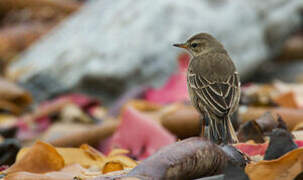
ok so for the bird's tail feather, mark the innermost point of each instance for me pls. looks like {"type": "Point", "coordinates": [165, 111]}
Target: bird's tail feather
{"type": "Point", "coordinates": [220, 130]}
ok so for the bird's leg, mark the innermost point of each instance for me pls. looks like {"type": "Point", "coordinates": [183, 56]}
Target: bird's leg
{"type": "Point", "coordinates": [204, 125]}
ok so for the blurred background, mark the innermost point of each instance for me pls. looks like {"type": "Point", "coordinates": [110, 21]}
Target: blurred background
{"type": "Point", "coordinates": [70, 65]}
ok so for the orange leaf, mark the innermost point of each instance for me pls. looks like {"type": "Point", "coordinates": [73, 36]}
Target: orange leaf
{"type": "Point", "coordinates": [286, 167]}
{"type": "Point", "coordinates": [287, 99]}
{"type": "Point", "coordinates": [40, 158]}
{"type": "Point", "coordinates": [112, 166]}
{"type": "Point", "coordinates": [86, 156]}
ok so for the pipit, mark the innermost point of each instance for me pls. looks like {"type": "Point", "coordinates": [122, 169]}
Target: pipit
{"type": "Point", "coordinates": [213, 86]}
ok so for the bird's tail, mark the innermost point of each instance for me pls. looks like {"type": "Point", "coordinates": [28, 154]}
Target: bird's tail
{"type": "Point", "coordinates": [220, 130]}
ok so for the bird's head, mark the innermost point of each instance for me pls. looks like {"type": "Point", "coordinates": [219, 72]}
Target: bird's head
{"type": "Point", "coordinates": [200, 44]}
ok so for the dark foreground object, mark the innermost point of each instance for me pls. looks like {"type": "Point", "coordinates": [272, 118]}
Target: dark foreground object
{"type": "Point", "coordinates": [8, 151]}
{"type": "Point", "coordinates": [281, 142]}
{"type": "Point", "coordinates": [188, 159]}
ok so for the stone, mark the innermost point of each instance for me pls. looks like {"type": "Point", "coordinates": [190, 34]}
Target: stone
{"type": "Point", "coordinates": [110, 46]}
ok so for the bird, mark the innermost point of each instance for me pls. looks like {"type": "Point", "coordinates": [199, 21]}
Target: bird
{"type": "Point", "coordinates": [213, 85]}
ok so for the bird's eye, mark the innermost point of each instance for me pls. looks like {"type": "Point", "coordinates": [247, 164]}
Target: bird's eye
{"type": "Point", "coordinates": [194, 45]}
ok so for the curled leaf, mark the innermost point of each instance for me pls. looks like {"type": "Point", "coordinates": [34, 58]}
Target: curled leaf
{"type": "Point", "coordinates": [286, 167]}
{"type": "Point", "coordinates": [40, 158]}
{"type": "Point", "coordinates": [112, 166]}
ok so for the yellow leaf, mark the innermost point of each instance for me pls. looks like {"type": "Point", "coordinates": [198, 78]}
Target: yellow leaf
{"type": "Point", "coordinates": [112, 166]}
{"type": "Point", "coordinates": [86, 156]}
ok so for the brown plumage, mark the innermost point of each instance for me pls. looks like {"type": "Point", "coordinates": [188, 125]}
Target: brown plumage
{"type": "Point", "coordinates": [213, 85]}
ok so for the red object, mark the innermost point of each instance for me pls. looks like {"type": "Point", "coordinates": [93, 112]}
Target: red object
{"type": "Point", "coordinates": [258, 149]}
{"type": "Point", "coordinates": [139, 134]}
{"type": "Point", "coordinates": [43, 123]}
{"type": "Point", "coordinates": [252, 149]}
{"type": "Point", "coordinates": [3, 167]}
{"type": "Point", "coordinates": [175, 88]}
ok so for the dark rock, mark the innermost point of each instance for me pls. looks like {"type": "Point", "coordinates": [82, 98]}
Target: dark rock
{"type": "Point", "coordinates": [280, 143]}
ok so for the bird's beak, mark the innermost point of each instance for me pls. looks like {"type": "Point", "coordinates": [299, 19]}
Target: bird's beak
{"type": "Point", "coordinates": [183, 45]}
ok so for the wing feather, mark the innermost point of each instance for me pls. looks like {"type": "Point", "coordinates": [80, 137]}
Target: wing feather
{"type": "Point", "coordinates": [217, 97]}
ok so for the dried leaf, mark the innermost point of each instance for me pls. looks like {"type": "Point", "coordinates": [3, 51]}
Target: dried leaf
{"type": "Point", "coordinates": [293, 91]}
{"type": "Point", "coordinates": [250, 131]}
{"type": "Point", "coordinates": [67, 173]}
{"type": "Point", "coordinates": [95, 154]}
{"type": "Point", "coordinates": [90, 136]}
{"type": "Point", "coordinates": [86, 156]}
{"type": "Point", "coordinates": [112, 166]}
{"type": "Point", "coordinates": [298, 127]}
{"type": "Point", "coordinates": [117, 160]}
{"type": "Point", "coordinates": [40, 158]}
{"type": "Point", "coordinates": [125, 161]}
{"type": "Point", "coordinates": [13, 98]}
{"type": "Point", "coordinates": [286, 100]}
{"type": "Point", "coordinates": [258, 94]}
{"type": "Point", "coordinates": [73, 113]}
{"type": "Point", "coordinates": [182, 120]}
{"type": "Point", "coordinates": [286, 167]}
{"type": "Point", "coordinates": [60, 130]}
{"type": "Point", "coordinates": [139, 132]}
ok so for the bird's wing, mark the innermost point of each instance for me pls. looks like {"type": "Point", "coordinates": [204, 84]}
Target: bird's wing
{"type": "Point", "coordinates": [218, 97]}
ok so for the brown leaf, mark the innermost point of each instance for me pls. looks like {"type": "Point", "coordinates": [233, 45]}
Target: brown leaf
{"type": "Point", "coordinates": [287, 99]}
{"type": "Point", "coordinates": [298, 127]}
{"type": "Point", "coordinates": [13, 98]}
{"type": "Point", "coordinates": [42, 161]}
{"type": "Point", "coordinates": [86, 156]}
{"type": "Point", "coordinates": [40, 158]}
{"type": "Point", "coordinates": [286, 167]}
{"type": "Point", "coordinates": [250, 131]}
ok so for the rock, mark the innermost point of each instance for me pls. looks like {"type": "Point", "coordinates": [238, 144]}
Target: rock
{"type": "Point", "coordinates": [103, 47]}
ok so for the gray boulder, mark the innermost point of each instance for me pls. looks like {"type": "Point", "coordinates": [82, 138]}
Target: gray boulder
{"type": "Point", "coordinates": [110, 46]}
